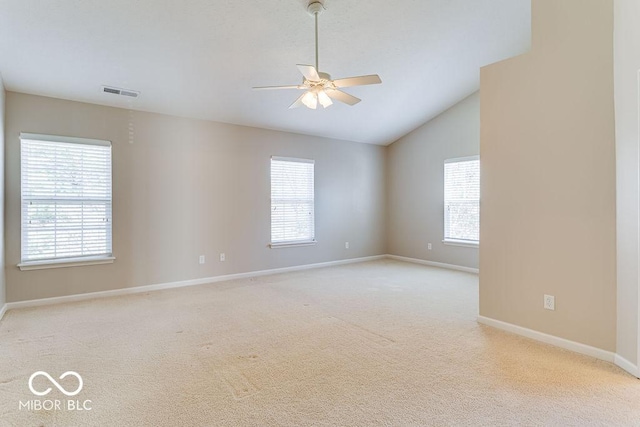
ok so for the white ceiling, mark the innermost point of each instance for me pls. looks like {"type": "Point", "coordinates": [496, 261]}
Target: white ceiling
{"type": "Point", "coordinates": [200, 58]}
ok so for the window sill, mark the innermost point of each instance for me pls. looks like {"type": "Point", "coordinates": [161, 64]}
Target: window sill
{"type": "Point", "coordinates": [462, 243]}
{"type": "Point", "coordinates": [67, 262]}
{"type": "Point", "coordinates": [291, 244]}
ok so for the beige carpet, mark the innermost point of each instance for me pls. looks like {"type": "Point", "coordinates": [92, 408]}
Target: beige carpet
{"type": "Point", "coordinates": [380, 343]}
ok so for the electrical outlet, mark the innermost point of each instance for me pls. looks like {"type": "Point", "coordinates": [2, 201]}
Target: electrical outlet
{"type": "Point", "coordinates": [429, 247]}
{"type": "Point", "coordinates": [549, 302]}
{"type": "Point", "coordinates": [201, 260]}
{"type": "Point", "coordinates": [346, 245]}
{"type": "Point", "coordinates": [222, 257]}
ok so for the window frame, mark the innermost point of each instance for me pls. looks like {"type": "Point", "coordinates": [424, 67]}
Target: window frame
{"type": "Point", "coordinates": [293, 243]}
{"type": "Point", "coordinates": [450, 241]}
{"type": "Point", "coordinates": [38, 264]}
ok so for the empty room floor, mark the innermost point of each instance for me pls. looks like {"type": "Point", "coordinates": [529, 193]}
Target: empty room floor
{"type": "Point", "coordinates": [377, 343]}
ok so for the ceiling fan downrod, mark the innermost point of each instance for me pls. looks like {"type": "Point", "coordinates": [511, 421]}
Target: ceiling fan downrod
{"type": "Point", "coordinates": [315, 8]}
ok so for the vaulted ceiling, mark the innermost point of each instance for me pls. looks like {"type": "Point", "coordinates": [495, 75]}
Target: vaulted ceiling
{"type": "Point", "coordinates": [200, 58]}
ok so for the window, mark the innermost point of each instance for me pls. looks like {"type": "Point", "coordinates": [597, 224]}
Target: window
{"type": "Point", "coordinates": [462, 200]}
{"type": "Point", "coordinates": [292, 204]}
{"type": "Point", "coordinates": [66, 199]}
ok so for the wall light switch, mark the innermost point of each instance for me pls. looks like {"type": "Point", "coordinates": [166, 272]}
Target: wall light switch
{"type": "Point", "coordinates": [201, 259]}
{"type": "Point", "coordinates": [222, 257]}
{"type": "Point", "coordinates": [429, 246]}
{"type": "Point", "coordinates": [346, 245]}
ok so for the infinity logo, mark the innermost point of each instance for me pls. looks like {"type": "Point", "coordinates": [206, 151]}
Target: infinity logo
{"type": "Point", "coordinates": [55, 383]}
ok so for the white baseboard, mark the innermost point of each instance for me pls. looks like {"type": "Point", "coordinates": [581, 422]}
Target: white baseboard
{"type": "Point", "coordinates": [434, 264]}
{"type": "Point", "coordinates": [3, 310]}
{"type": "Point", "coordinates": [181, 284]}
{"type": "Point", "coordinates": [550, 339]}
{"type": "Point", "coordinates": [576, 347]}
{"type": "Point", "coordinates": [627, 366]}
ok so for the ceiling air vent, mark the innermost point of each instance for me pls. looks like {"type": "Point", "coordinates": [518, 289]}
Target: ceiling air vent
{"type": "Point", "coordinates": [122, 92]}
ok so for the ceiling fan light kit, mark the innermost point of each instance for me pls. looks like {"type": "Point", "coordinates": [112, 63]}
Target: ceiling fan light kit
{"type": "Point", "coordinates": [318, 86]}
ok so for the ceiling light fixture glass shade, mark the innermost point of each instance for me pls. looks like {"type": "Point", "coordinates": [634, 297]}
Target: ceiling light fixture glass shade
{"type": "Point", "coordinates": [324, 99]}
{"type": "Point", "coordinates": [313, 96]}
{"type": "Point", "coordinates": [310, 100]}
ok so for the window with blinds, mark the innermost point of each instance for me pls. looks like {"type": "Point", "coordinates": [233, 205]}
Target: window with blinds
{"type": "Point", "coordinates": [462, 199]}
{"type": "Point", "coordinates": [66, 198]}
{"type": "Point", "coordinates": [292, 201]}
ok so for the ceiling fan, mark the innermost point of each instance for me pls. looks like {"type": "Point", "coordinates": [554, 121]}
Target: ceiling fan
{"type": "Point", "coordinates": [318, 87]}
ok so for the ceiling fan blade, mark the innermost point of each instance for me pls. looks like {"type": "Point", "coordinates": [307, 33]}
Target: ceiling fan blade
{"type": "Point", "coordinates": [341, 96]}
{"type": "Point", "coordinates": [298, 102]}
{"type": "Point", "coordinates": [278, 87]}
{"type": "Point", "coordinates": [309, 72]}
{"type": "Point", "coordinates": [373, 79]}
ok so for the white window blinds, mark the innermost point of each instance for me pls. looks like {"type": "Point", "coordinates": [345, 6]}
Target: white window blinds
{"type": "Point", "coordinates": [66, 197]}
{"type": "Point", "coordinates": [292, 200]}
{"type": "Point", "coordinates": [462, 199]}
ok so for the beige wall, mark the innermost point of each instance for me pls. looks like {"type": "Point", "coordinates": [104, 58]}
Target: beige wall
{"type": "Point", "coordinates": [548, 177]}
{"type": "Point", "coordinates": [627, 66]}
{"type": "Point", "coordinates": [3, 298]}
{"type": "Point", "coordinates": [185, 188]}
{"type": "Point", "coordinates": [415, 184]}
